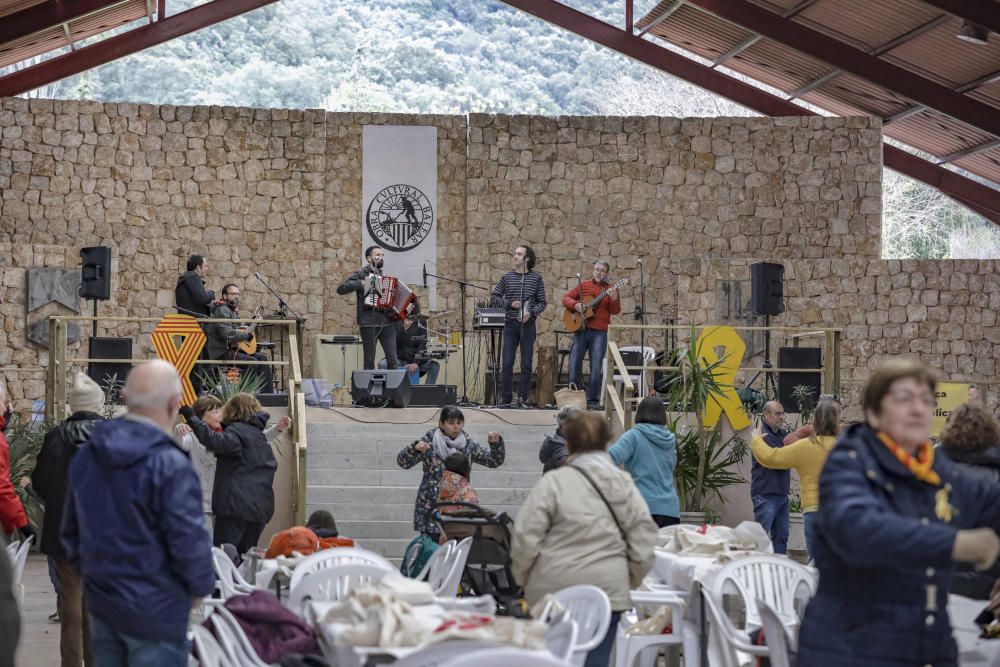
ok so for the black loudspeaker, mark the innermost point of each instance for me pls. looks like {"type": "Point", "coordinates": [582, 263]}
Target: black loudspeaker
{"type": "Point", "coordinates": [381, 387]}
{"type": "Point", "coordinates": [433, 395]}
{"type": "Point", "coordinates": [273, 400]}
{"type": "Point", "coordinates": [95, 272]}
{"type": "Point", "coordinates": [798, 357]}
{"type": "Point", "coordinates": [109, 348]}
{"type": "Point", "coordinates": [767, 288]}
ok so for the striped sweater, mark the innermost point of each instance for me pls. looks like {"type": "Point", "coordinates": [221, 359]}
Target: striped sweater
{"type": "Point", "coordinates": [509, 290]}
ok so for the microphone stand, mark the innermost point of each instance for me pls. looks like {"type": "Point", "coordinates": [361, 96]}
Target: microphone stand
{"type": "Point", "coordinates": [462, 286]}
{"type": "Point", "coordinates": [640, 309]}
{"type": "Point", "coordinates": [283, 306]}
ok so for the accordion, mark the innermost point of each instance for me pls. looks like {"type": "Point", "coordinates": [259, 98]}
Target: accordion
{"type": "Point", "coordinates": [390, 294]}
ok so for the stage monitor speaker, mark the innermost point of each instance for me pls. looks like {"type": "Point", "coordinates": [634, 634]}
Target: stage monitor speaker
{"type": "Point", "coordinates": [798, 357]}
{"type": "Point", "coordinates": [95, 272]}
{"type": "Point", "coordinates": [381, 387]}
{"type": "Point", "coordinates": [104, 373]}
{"type": "Point", "coordinates": [433, 395]}
{"type": "Point", "coordinates": [273, 400]}
{"type": "Point", "coordinates": [767, 288]}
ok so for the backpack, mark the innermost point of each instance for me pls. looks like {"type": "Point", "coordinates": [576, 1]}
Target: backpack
{"type": "Point", "coordinates": [418, 552]}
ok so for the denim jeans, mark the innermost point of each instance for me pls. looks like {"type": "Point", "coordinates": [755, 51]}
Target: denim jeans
{"type": "Point", "coordinates": [809, 520]}
{"type": "Point", "coordinates": [601, 656]}
{"type": "Point", "coordinates": [113, 649]}
{"type": "Point", "coordinates": [428, 369]}
{"type": "Point", "coordinates": [516, 335]}
{"type": "Point", "coordinates": [593, 343]}
{"type": "Point", "coordinates": [770, 510]}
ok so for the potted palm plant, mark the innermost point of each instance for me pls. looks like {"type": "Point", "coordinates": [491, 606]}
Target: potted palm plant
{"type": "Point", "coordinates": [707, 460]}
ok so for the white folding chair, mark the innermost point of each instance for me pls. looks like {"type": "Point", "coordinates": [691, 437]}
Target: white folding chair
{"type": "Point", "coordinates": [724, 638]}
{"type": "Point", "coordinates": [230, 581]}
{"type": "Point", "coordinates": [206, 647]}
{"type": "Point", "coordinates": [780, 642]}
{"type": "Point", "coordinates": [506, 657]}
{"type": "Point", "coordinates": [233, 640]}
{"type": "Point", "coordinates": [588, 607]}
{"type": "Point", "coordinates": [780, 582]}
{"type": "Point", "coordinates": [560, 639]}
{"type": "Point", "coordinates": [332, 583]}
{"type": "Point", "coordinates": [20, 557]}
{"type": "Point", "coordinates": [337, 556]}
{"type": "Point", "coordinates": [646, 647]}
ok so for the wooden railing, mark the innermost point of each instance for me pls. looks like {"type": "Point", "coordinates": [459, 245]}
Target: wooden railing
{"type": "Point", "coordinates": [56, 380]}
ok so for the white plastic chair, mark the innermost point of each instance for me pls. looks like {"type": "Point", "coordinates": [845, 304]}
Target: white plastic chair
{"type": "Point", "coordinates": [12, 550]}
{"type": "Point", "coordinates": [506, 657]}
{"type": "Point", "coordinates": [20, 557]}
{"type": "Point", "coordinates": [207, 648]}
{"type": "Point", "coordinates": [627, 648]}
{"type": "Point", "coordinates": [332, 583]}
{"type": "Point", "coordinates": [588, 607]}
{"type": "Point", "coordinates": [230, 581]}
{"type": "Point", "coordinates": [724, 637]}
{"type": "Point", "coordinates": [337, 556]}
{"type": "Point", "coordinates": [454, 568]}
{"type": "Point", "coordinates": [637, 377]}
{"type": "Point", "coordinates": [778, 581]}
{"type": "Point", "coordinates": [780, 643]}
{"type": "Point", "coordinates": [560, 639]}
{"type": "Point", "coordinates": [433, 570]}
{"type": "Point", "coordinates": [233, 640]}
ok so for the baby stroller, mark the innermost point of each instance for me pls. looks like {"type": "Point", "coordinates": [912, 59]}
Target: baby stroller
{"type": "Point", "coordinates": [487, 570]}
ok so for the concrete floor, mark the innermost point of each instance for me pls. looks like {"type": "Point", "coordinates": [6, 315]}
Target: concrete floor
{"type": "Point", "coordinates": [39, 644]}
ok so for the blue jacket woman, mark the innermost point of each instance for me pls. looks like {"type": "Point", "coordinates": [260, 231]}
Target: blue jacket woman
{"type": "Point", "coordinates": [648, 452]}
{"type": "Point", "coordinates": [433, 449]}
{"type": "Point", "coordinates": [893, 519]}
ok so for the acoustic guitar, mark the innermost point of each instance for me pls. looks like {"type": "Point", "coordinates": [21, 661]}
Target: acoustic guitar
{"type": "Point", "coordinates": [573, 319]}
{"type": "Point", "coordinates": [250, 346]}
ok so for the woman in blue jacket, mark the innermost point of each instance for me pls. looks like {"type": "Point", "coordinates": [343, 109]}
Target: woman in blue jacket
{"type": "Point", "coordinates": [648, 452]}
{"type": "Point", "coordinates": [893, 520]}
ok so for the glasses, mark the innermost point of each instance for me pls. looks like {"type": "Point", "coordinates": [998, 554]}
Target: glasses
{"type": "Point", "coordinates": [904, 397]}
{"type": "Point", "coordinates": [232, 294]}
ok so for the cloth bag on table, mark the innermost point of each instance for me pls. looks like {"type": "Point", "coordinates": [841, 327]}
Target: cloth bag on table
{"type": "Point", "coordinates": [714, 540]}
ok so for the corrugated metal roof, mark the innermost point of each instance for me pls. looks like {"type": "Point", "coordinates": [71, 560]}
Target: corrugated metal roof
{"type": "Point", "coordinates": [933, 52]}
{"type": "Point", "coordinates": [13, 6]}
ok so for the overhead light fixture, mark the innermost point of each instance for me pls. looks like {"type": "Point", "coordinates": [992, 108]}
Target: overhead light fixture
{"type": "Point", "coordinates": [973, 33]}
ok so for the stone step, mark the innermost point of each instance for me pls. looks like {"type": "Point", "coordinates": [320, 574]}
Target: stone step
{"type": "Point", "coordinates": [335, 460]}
{"type": "Point", "coordinates": [502, 478]}
{"type": "Point", "coordinates": [376, 529]}
{"type": "Point", "coordinates": [372, 495]}
{"type": "Point", "coordinates": [390, 548]}
{"type": "Point", "coordinates": [403, 511]}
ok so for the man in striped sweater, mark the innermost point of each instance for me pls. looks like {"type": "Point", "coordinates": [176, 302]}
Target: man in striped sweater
{"type": "Point", "coordinates": [522, 293]}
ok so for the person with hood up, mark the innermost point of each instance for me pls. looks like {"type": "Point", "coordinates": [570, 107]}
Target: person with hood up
{"type": "Point", "coordinates": [132, 526]}
{"type": "Point", "coordinates": [49, 480]}
{"type": "Point", "coordinates": [648, 452]}
{"type": "Point", "coordinates": [243, 490]}
{"type": "Point", "coordinates": [432, 450]}
{"type": "Point", "coordinates": [585, 523]}
{"type": "Point", "coordinates": [553, 450]}
{"type": "Point", "coordinates": [190, 295]}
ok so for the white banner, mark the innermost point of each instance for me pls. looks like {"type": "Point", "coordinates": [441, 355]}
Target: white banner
{"type": "Point", "coordinates": [399, 200]}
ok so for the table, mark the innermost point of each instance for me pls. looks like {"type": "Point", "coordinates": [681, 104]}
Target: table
{"type": "Point", "coordinates": [972, 651]}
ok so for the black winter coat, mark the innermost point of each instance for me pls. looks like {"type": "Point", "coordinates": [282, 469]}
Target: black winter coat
{"type": "Point", "coordinates": [221, 336]}
{"type": "Point", "coordinates": [553, 451]}
{"type": "Point", "coordinates": [356, 283]}
{"type": "Point", "coordinates": [244, 477]}
{"type": "Point", "coordinates": [51, 474]}
{"type": "Point", "coordinates": [191, 296]}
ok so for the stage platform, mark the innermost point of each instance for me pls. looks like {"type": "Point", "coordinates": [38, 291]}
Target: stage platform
{"type": "Point", "coordinates": [352, 470]}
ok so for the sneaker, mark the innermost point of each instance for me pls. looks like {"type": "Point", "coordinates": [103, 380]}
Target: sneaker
{"type": "Point", "coordinates": [594, 405]}
{"type": "Point", "coordinates": [54, 617]}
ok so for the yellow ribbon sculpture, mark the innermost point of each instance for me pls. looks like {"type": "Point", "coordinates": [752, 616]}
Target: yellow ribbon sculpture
{"type": "Point", "coordinates": [181, 356]}
{"type": "Point", "coordinates": [725, 374]}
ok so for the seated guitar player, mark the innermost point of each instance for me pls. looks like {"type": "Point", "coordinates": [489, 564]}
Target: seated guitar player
{"type": "Point", "coordinates": [224, 339]}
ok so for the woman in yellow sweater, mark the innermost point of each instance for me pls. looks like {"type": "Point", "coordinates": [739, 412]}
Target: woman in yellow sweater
{"type": "Point", "coordinates": [807, 457]}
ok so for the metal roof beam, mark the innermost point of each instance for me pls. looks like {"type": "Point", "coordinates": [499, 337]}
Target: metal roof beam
{"type": "Point", "coordinates": [48, 14]}
{"type": "Point", "coordinates": [671, 8]}
{"type": "Point", "coordinates": [981, 198]}
{"type": "Point", "coordinates": [127, 43]}
{"type": "Point", "coordinates": [966, 152]}
{"type": "Point", "coordinates": [747, 43]}
{"type": "Point", "coordinates": [906, 112]}
{"type": "Point", "coordinates": [984, 12]}
{"type": "Point", "coordinates": [849, 59]}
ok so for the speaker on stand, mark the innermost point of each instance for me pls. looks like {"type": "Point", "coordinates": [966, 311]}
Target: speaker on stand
{"type": "Point", "coordinates": [767, 292]}
{"type": "Point", "coordinates": [105, 374]}
{"type": "Point", "coordinates": [95, 276]}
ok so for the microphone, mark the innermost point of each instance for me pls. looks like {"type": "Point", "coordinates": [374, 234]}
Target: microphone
{"type": "Point", "coordinates": [425, 274]}
{"type": "Point", "coordinates": [578, 276]}
{"type": "Point", "coordinates": [257, 275]}
{"type": "Point", "coordinates": [639, 261]}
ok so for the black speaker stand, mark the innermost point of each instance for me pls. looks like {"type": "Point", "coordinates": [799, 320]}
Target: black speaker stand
{"type": "Point", "coordinates": [767, 369]}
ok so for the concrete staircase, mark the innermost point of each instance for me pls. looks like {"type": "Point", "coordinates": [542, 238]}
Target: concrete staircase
{"type": "Point", "coordinates": [352, 471]}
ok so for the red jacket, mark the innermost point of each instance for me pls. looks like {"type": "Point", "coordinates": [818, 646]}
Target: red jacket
{"type": "Point", "coordinates": [12, 514]}
{"type": "Point", "coordinates": [605, 309]}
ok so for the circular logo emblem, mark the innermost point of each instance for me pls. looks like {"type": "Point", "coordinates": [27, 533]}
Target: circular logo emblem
{"type": "Point", "coordinates": [399, 217]}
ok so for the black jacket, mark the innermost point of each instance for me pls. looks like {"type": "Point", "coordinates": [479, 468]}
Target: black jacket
{"type": "Point", "coordinates": [51, 474]}
{"type": "Point", "coordinates": [244, 477]}
{"type": "Point", "coordinates": [411, 342]}
{"type": "Point", "coordinates": [553, 451]}
{"type": "Point", "coordinates": [191, 295]}
{"type": "Point", "coordinates": [221, 336]}
{"type": "Point", "coordinates": [356, 283]}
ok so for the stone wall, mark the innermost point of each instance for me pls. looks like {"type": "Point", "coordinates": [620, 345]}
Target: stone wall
{"type": "Point", "coordinates": [278, 191]}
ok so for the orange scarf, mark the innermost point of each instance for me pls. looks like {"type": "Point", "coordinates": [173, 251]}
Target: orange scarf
{"type": "Point", "coordinates": [921, 466]}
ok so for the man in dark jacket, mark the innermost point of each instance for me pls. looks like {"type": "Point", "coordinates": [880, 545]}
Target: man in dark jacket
{"type": "Point", "coordinates": [374, 323]}
{"type": "Point", "coordinates": [223, 338]}
{"type": "Point", "coordinates": [133, 527]}
{"type": "Point", "coordinates": [769, 488]}
{"type": "Point", "coordinates": [190, 294]}
{"type": "Point", "coordinates": [49, 479]}
{"type": "Point", "coordinates": [411, 346]}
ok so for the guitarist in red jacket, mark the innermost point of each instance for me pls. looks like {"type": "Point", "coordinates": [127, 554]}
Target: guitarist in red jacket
{"type": "Point", "coordinates": [592, 337]}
